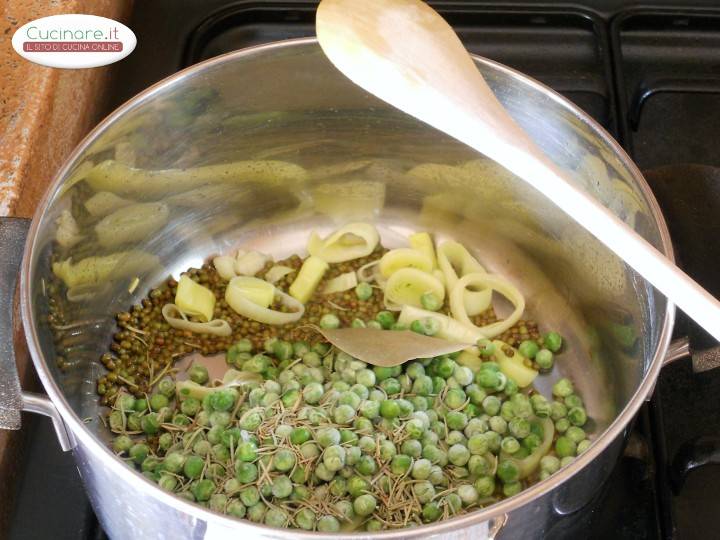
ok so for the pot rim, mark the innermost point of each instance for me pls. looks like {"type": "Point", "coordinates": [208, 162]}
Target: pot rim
{"type": "Point", "coordinates": [477, 517]}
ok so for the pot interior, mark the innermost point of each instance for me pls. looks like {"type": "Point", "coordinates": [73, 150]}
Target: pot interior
{"type": "Point", "coordinates": [287, 103]}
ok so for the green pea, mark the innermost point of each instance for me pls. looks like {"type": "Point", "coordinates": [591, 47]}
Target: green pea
{"type": "Point", "coordinates": [445, 367]}
{"type": "Point", "coordinates": [139, 452]}
{"type": "Point", "coordinates": [468, 494]}
{"type": "Point", "coordinates": [140, 405]}
{"type": "Point", "coordinates": [364, 505]}
{"type": "Point", "coordinates": [424, 491]}
{"type": "Point", "coordinates": [508, 471]}
{"type": "Point", "coordinates": [334, 457]}
{"type": "Point", "coordinates": [575, 434]}
{"type": "Point", "coordinates": [512, 488]}
{"type": "Point", "coordinates": [453, 502]}
{"type": "Point", "coordinates": [455, 398]}
{"type": "Point", "coordinates": [511, 387]}
{"type": "Point", "coordinates": [557, 410]}
{"type": "Point", "coordinates": [222, 400]}
{"type": "Point", "coordinates": [387, 450]}
{"type": "Point", "coordinates": [386, 319]}
{"type": "Point", "coordinates": [328, 524]}
{"type": "Point", "coordinates": [430, 301]}
{"type": "Point", "coordinates": [167, 482]}
{"type": "Point", "coordinates": [338, 487]}
{"type": "Point", "coordinates": [488, 378]}
{"type": "Point", "coordinates": [158, 401]}
{"type": "Point", "coordinates": [202, 448]}
{"type": "Point", "coordinates": [485, 486]}
{"type": "Point", "coordinates": [358, 323]}
{"type": "Point", "coordinates": [284, 460]}
{"type": "Point", "coordinates": [438, 384]}
{"type": "Point", "coordinates": [577, 416]}
{"type": "Point", "coordinates": [305, 519]}
{"type": "Point", "coordinates": [389, 408]}
{"type": "Point", "coordinates": [553, 341]}
{"type": "Point", "coordinates": [236, 509]}
{"type": "Point", "coordinates": [122, 443]}
{"type": "Point", "coordinates": [258, 363]}
{"type": "Point", "coordinates": [193, 466]}
{"type": "Point", "coordinates": [190, 406]}
{"type": "Point", "coordinates": [510, 445]}
{"type": "Point", "coordinates": [528, 348]}
{"type": "Point", "coordinates": [300, 435]}
{"type": "Point", "coordinates": [427, 326]}
{"type": "Point", "coordinates": [363, 291]}
{"type": "Point", "coordinates": [544, 359]}
{"type": "Point", "coordinates": [329, 321]}
{"type": "Point", "coordinates": [357, 485]}
{"type": "Point", "coordinates": [247, 451]}
{"type": "Point", "coordinates": [565, 447]}
{"type": "Point", "coordinates": [573, 400]}
{"type": "Point", "coordinates": [435, 455]}
{"type": "Point", "coordinates": [487, 347]}
{"type": "Point", "coordinates": [478, 444]}
{"type": "Point", "coordinates": [250, 496]}
{"type": "Point", "coordinates": [456, 420]}
{"type": "Point", "coordinates": [125, 402]}
{"type": "Point", "coordinates": [246, 472]}
{"type": "Point", "coordinates": [563, 388]}
{"type": "Point", "coordinates": [519, 427]}
{"type": "Point", "coordinates": [281, 487]}
{"type": "Point", "coordinates": [166, 387]}
{"type": "Point", "coordinates": [458, 455]}
{"type": "Point", "coordinates": [550, 464]}
{"type": "Point", "coordinates": [198, 374]}
{"type": "Point", "coordinates": [582, 446]}
{"type": "Point", "coordinates": [150, 423]}
{"type": "Point", "coordinates": [431, 512]}
{"type": "Point", "coordinates": [421, 469]}
{"type": "Point", "coordinates": [202, 489]}
{"type": "Point", "coordinates": [256, 512]}
{"type": "Point", "coordinates": [250, 421]}
{"type": "Point", "coordinates": [400, 464]}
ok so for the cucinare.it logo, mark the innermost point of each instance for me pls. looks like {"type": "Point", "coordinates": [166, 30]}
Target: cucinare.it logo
{"type": "Point", "coordinates": [74, 41]}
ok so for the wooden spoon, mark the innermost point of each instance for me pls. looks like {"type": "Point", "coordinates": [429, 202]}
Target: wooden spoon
{"type": "Point", "coordinates": [403, 52]}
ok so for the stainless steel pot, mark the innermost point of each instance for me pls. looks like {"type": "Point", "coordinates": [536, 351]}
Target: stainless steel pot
{"type": "Point", "coordinates": [284, 101]}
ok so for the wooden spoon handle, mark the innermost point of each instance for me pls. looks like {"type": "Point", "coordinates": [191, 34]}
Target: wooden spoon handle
{"type": "Point", "coordinates": [662, 273]}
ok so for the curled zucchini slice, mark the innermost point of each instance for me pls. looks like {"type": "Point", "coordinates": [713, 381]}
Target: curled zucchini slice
{"type": "Point", "coordinates": [449, 328]}
{"type": "Point", "coordinates": [225, 266]}
{"type": "Point", "coordinates": [350, 242]}
{"type": "Point", "coordinates": [397, 259]}
{"type": "Point", "coordinates": [309, 277]}
{"type": "Point", "coordinates": [514, 366]}
{"type": "Point", "coordinates": [177, 319]}
{"type": "Point", "coordinates": [452, 258]}
{"type": "Point", "coordinates": [341, 283]}
{"type": "Point", "coordinates": [277, 272]}
{"type": "Point", "coordinates": [423, 243]}
{"type": "Point", "coordinates": [235, 296]}
{"type": "Point", "coordinates": [406, 286]}
{"type": "Point", "coordinates": [487, 282]}
{"type": "Point", "coordinates": [193, 299]}
{"type": "Point", "coordinates": [249, 264]}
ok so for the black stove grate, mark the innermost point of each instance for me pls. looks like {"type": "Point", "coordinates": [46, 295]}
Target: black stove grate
{"type": "Point", "coordinates": [651, 76]}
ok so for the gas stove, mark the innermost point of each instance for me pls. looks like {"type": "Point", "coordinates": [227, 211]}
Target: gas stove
{"type": "Point", "coordinates": [651, 77]}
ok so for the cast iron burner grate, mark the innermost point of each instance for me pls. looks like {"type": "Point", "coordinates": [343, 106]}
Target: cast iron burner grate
{"type": "Point", "coordinates": [651, 76]}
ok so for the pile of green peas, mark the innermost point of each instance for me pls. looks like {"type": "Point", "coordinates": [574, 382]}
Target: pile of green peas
{"type": "Point", "coordinates": [326, 441]}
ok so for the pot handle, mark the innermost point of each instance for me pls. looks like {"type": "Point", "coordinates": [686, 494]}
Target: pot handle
{"type": "Point", "coordinates": [702, 360]}
{"type": "Point", "coordinates": [13, 400]}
